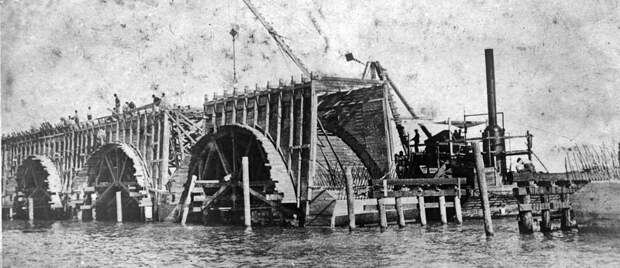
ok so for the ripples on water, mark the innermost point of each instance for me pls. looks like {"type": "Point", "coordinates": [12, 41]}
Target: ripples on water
{"type": "Point", "coordinates": [93, 244]}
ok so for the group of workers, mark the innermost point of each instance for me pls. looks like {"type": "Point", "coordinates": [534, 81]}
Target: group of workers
{"type": "Point", "coordinates": [73, 120]}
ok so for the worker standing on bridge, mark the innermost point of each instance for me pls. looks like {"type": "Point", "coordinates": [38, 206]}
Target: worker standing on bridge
{"type": "Point", "coordinates": [117, 104]}
{"type": "Point", "coordinates": [163, 103]}
{"type": "Point", "coordinates": [156, 100]}
{"type": "Point", "coordinates": [76, 118]}
{"type": "Point", "coordinates": [89, 115]}
{"type": "Point", "coordinates": [416, 141]}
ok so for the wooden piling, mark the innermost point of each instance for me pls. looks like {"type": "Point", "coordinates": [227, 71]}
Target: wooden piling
{"type": "Point", "coordinates": [442, 209]}
{"type": "Point", "coordinates": [119, 207]}
{"type": "Point", "coordinates": [545, 224]}
{"type": "Point", "coordinates": [247, 216]}
{"type": "Point", "coordinates": [350, 198]}
{"type": "Point", "coordinates": [422, 210]}
{"type": "Point", "coordinates": [457, 209]}
{"type": "Point", "coordinates": [482, 185]}
{"type": "Point", "coordinates": [526, 220]}
{"type": "Point", "coordinates": [188, 199]}
{"type": "Point", "coordinates": [30, 208]}
{"type": "Point", "coordinates": [400, 212]}
{"type": "Point", "coordinates": [565, 223]}
{"type": "Point", "coordinates": [382, 213]}
{"type": "Point", "coordinates": [148, 213]}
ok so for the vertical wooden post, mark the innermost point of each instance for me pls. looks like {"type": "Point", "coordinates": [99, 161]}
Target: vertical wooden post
{"type": "Point", "coordinates": [247, 212]}
{"type": "Point", "coordinates": [93, 203]}
{"type": "Point", "coordinates": [148, 213]}
{"type": "Point", "coordinates": [450, 137]}
{"type": "Point", "coordinates": [119, 207]}
{"type": "Point", "coordinates": [350, 198]}
{"type": "Point", "coordinates": [526, 221]}
{"type": "Point", "coordinates": [279, 120]}
{"type": "Point", "coordinates": [457, 209]}
{"type": "Point", "coordinates": [165, 149]}
{"type": "Point", "coordinates": [382, 213]}
{"type": "Point", "coordinates": [388, 131]}
{"type": "Point", "coordinates": [422, 210]}
{"type": "Point", "coordinates": [442, 209]}
{"type": "Point", "coordinates": [482, 184]}
{"type": "Point", "coordinates": [117, 135]}
{"type": "Point", "coordinates": [400, 211]}
{"type": "Point", "coordinates": [385, 188]}
{"type": "Point", "coordinates": [188, 199]}
{"type": "Point", "coordinates": [30, 209]}
{"type": "Point", "coordinates": [80, 214]}
{"type": "Point", "coordinates": [545, 224]}
{"type": "Point", "coordinates": [565, 223]}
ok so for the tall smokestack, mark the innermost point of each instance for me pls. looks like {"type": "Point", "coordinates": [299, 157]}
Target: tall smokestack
{"type": "Point", "coordinates": [488, 56]}
{"type": "Point", "coordinates": [493, 142]}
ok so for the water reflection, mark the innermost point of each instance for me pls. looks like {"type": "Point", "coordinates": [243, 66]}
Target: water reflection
{"type": "Point", "coordinates": [68, 243]}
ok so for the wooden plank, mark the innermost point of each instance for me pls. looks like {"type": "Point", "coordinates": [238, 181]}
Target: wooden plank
{"type": "Point", "coordinates": [421, 181]}
{"type": "Point", "coordinates": [445, 192]}
{"type": "Point", "coordinates": [542, 177]}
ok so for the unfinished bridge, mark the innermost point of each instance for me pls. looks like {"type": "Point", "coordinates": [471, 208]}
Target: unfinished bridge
{"type": "Point", "coordinates": [72, 167]}
{"type": "Point", "coordinates": [299, 137]}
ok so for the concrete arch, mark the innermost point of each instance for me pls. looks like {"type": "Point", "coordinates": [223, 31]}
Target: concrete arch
{"type": "Point", "coordinates": [115, 167]}
{"type": "Point", "coordinates": [38, 178]}
{"type": "Point", "coordinates": [269, 163]}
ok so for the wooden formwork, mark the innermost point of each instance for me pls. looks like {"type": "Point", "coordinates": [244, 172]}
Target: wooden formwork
{"type": "Point", "coordinates": [317, 126]}
{"type": "Point", "coordinates": [158, 135]}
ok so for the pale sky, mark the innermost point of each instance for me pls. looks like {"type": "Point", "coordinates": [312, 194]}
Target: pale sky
{"type": "Point", "coordinates": [557, 62]}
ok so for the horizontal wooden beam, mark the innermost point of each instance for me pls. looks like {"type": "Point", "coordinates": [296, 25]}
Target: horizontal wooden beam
{"type": "Point", "coordinates": [532, 190]}
{"type": "Point", "coordinates": [421, 181]}
{"type": "Point", "coordinates": [542, 177]}
{"type": "Point", "coordinates": [448, 192]}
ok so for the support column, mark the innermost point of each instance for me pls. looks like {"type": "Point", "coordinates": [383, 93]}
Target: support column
{"type": "Point", "coordinates": [545, 224]}
{"type": "Point", "coordinates": [119, 207]}
{"type": "Point", "coordinates": [442, 209]}
{"type": "Point", "coordinates": [30, 209]}
{"type": "Point", "coordinates": [382, 213]}
{"type": "Point", "coordinates": [400, 211]}
{"type": "Point", "coordinates": [482, 185]}
{"type": "Point", "coordinates": [350, 198]}
{"type": "Point", "coordinates": [566, 217]}
{"type": "Point", "coordinates": [457, 209]}
{"type": "Point", "coordinates": [165, 150]}
{"type": "Point", "coordinates": [422, 210]}
{"type": "Point", "coordinates": [247, 211]}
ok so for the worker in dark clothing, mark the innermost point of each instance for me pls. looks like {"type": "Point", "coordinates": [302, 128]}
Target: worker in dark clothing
{"type": "Point", "coordinates": [76, 118]}
{"type": "Point", "coordinates": [89, 115]}
{"type": "Point", "coordinates": [416, 141]}
{"type": "Point", "coordinates": [525, 166]}
{"type": "Point", "coordinates": [156, 100]}
{"type": "Point", "coordinates": [456, 135]}
{"type": "Point", "coordinates": [117, 104]}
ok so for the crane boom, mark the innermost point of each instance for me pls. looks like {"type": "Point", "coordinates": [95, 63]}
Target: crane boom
{"type": "Point", "coordinates": [277, 38]}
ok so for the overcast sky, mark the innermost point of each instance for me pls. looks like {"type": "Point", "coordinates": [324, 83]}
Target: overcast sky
{"type": "Point", "coordinates": [557, 62]}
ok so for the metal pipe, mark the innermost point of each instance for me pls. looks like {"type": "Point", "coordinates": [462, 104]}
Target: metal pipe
{"type": "Point", "coordinates": [490, 70]}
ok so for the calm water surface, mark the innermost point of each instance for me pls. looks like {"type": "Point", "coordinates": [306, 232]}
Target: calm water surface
{"type": "Point", "coordinates": [95, 244]}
